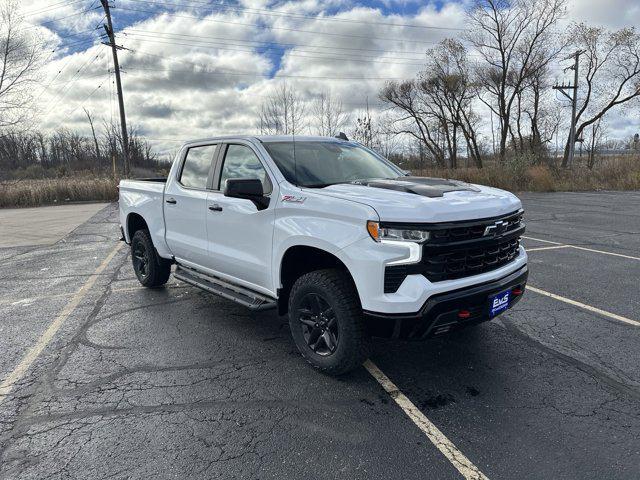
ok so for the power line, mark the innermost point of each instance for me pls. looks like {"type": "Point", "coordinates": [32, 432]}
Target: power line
{"type": "Point", "coordinates": [247, 74]}
{"type": "Point", "coordinates": [362, 58]}
{"type": "Point", "coordinates": [271, 45]}
{"type": "Point", "coordinates": [64, 45]}
{"type": "Point", "coordinates": [53, 20]}
{"type": "Point", "coordinates": [270, 27]}
{"type": "Point", "coordinates": [280, 13]}
{"type": "Point", "coordinates": [236, 72]}
{"type": "Point", "coordinates": [269, 42]}
{"type": "Point", "coordinates": [70, 59]}
{"type": "Point", "coordinates": [84, 77]}
{"type": "Point", "coordinates": [63, 92]}
{"type": "Point", "coordinates": [50, 83]}
{"type": "Point", "coordinates": [53, 6]}
{"type": "Point", "coordinates": [68, 115]}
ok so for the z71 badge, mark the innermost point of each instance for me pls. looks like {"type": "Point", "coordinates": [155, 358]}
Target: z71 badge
{"type": "Point", "coordinates": [293, 199]}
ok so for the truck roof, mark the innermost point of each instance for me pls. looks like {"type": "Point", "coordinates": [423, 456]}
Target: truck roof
{"type": "Point", "coordinates": [268, 138]}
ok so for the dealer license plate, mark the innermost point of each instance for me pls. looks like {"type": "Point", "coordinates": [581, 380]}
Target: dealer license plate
{"type": "Point", "coordinates": [499, 303]}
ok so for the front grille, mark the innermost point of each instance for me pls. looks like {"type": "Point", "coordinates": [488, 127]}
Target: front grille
{"type": "Point", "coordinates": [459, 263]}
{"type": "Point", "coordinates": [449, 233]}
{"type": "Point", "coordinates": [461, 249]}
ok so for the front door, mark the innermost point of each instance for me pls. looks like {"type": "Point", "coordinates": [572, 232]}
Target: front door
{"type": "Point", "coordinates": [185, 206]}
{"type": "Point", "coordinates": [240, 233]}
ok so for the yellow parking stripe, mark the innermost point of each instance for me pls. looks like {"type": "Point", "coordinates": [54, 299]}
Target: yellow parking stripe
{"type": "Point", "coordinates": [16, 375]}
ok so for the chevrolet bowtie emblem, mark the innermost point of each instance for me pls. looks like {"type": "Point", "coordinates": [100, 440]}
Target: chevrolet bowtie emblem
{"type": "Point", "coordinates": [495, 229]}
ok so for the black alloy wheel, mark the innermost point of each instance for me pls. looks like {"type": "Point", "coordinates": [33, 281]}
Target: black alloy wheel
{"type": "Point", "coordinates": [319, 324]}
{"type": "Point", "coordinates": [140, 260]}
{"type": "Point", "coordinates": [151, 269]}
{"type": "Point", "coordinates": [326, 321]}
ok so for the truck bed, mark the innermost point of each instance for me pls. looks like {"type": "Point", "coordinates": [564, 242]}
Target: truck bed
{"type": "Point", "coordinates": [144, 197]}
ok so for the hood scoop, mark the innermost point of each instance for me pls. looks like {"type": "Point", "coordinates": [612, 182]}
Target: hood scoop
{"type": "Point", "coordinates": [424, 186]}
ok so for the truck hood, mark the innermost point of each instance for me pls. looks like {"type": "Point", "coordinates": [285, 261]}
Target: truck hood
{"type": "Point", "coordinates": [429, 200]}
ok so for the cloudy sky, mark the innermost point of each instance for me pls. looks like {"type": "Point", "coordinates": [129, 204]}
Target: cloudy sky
{"type": "Point", "coordinates": [195, 68]}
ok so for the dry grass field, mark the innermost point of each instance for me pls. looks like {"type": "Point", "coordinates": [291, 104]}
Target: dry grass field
{"type": "Point", "coordinates": [51, 191]}
{"type": "Point", "coordinates": [613, 173]}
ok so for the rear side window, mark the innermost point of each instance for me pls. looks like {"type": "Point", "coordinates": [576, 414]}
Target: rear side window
{"type": "Point", "coordinates": [241, 162]}
{"type": "Point", "coordinates": [197, 165]}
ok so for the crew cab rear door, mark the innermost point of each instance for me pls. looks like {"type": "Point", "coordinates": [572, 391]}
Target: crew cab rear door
{"type": "Point", "coordinates": [185, 204]}
{"type": "Point", "coordinates": [240, 233]}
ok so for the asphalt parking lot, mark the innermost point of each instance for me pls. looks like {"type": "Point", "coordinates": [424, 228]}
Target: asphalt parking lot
{"type": "Point", "coordinates": [101, 378]}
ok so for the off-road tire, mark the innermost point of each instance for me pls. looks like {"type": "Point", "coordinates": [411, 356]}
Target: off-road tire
{"type": "Point", "coordinates": [156, 269]}
{"type": "Point", "coordinates": [353, 343]}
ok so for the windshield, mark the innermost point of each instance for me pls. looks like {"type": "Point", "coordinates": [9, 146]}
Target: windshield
{"type": "Point", "coordinates": [319, 164]}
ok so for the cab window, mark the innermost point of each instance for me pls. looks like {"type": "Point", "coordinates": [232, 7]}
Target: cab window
{"type": "Point", "coordinates": [197, 165]}
{"type": "Point", "coordinates": [241, 162]}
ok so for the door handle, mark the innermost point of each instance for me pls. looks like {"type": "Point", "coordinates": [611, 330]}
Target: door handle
{"type": "Point", "coordinates": [172, 201]}
{"type": "Point", "coordinates": [215, 208]}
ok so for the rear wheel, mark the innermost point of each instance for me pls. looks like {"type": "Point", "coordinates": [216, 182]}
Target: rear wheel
{"type": "Point", "coordinates": [326, 321]}
{"type": "Point", "coordinates": [151, 269]}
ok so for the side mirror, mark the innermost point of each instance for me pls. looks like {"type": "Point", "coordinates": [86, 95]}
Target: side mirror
{"type": "Point", "coordinates": [247, 188]}
{"type": "Point", "coordinates": [407, 173]}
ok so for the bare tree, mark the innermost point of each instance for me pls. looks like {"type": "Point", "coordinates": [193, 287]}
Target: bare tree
{"type": "Point", "coordinates": [364, 131]}
{"type": "Point", "coordinates": [414, 118]}
{"type": "Point", "coordinates": [447, 83]}
{"type": "Point", "coordinates": [512, 38]}
{"type": "Point", "coordinates": [436, 108]}
{"type": "Point", "coordinates": [610, 73]}
{"type": "Point", "coordinates": [283, 112]}
{"type": "Point", "coordinates": [596, 135]}
{"type": "Point", "coordinates": [536, 118]}
{"type": "Point", "coordinates": [24, 152]}
{"type": "Point", "coordinates": [328, 115]}
{"type": "Point", "coordinates": [20, 58]}
{"type": "Point", "coordinates": [388, 143]}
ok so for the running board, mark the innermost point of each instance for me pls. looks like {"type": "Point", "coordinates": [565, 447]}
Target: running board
{"type": "Point", "coordinates": [230, 291]}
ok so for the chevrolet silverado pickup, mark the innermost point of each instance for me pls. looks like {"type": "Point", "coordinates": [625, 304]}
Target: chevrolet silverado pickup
{"type": "Point", "coordinates": [333, 235]}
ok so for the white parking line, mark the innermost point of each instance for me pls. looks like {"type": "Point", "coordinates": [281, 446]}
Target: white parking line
{"type": "Point", "coordinates": [566, 245]}
{"type": "Point", "coordinates": [8, 383]}
{"type": "Point", "coordinates": [606, 253]}
{"type": "Point", "coordinates": [21, 301]}
{"type": "Point", "coordinates": [441, 442]}
{"type": "Point", "coordinates": [543, 241]}
{"type": "Point", "coordinates": [599, 311]}
{"type": "Point", "coordinates": [553, 247]}
{"type": "Point", "coordinates": [29, 300]}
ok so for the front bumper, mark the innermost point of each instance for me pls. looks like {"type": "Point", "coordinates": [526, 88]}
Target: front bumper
{"type": "Point", "coordinates": [439, 314]}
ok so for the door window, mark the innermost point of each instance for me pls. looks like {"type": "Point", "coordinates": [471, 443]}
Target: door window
{"type": "Point", "coordinates": [197, 165]}
{"type": "Point", "coordinates": [241, 162]}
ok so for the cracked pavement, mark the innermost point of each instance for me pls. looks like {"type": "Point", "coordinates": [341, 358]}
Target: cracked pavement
{"type": "Point", "coordinates": [176, 383]}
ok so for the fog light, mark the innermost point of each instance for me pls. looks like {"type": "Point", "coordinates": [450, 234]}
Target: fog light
{"type": "Point", "coordinates": [464, 314]}
{"type": "Point", "coordinates": [517, 291]}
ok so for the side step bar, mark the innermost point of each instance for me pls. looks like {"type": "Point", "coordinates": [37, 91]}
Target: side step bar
{"type": "Point", "coordinates": [230, 291]}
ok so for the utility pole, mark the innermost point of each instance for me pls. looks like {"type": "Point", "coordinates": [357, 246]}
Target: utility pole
{"type": "Point", "coordinates": [574, 103]}
{"type": "Point", "coordinates": [116, 68]}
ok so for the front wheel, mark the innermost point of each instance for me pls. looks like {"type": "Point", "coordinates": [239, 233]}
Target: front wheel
{"type": "Point", "coordinates": [326, 321]}
{"type": "Point", "coordinates": [151, 269]}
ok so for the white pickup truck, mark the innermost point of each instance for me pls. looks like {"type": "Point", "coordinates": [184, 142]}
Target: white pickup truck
{"type": "Point", "coordinates": [330, 233]}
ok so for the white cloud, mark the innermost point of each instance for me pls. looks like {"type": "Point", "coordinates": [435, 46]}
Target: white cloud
{"type": "Point", "coordinates": [167, 95]}
{"type": "Point", "coordinates": [607, 13]}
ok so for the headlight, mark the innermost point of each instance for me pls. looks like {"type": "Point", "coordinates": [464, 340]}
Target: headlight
{"type": "Point", "coordinates": [379, 233]}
